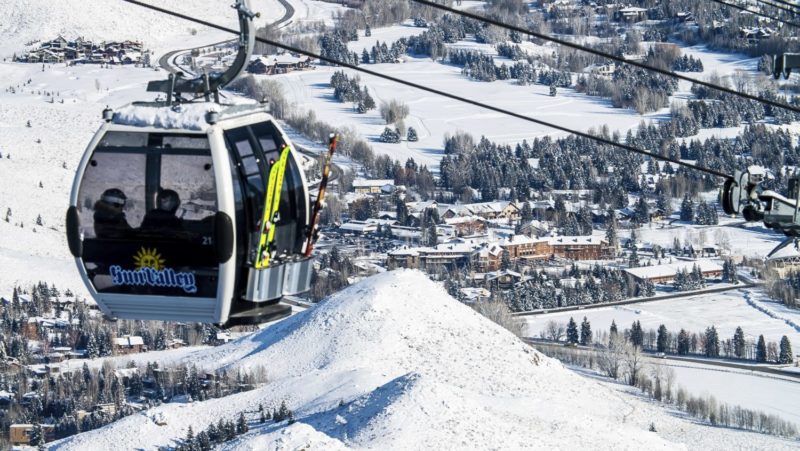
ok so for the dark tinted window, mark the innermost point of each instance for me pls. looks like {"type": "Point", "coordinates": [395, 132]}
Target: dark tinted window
{"type": "Point", "coordinates": [146, 205]}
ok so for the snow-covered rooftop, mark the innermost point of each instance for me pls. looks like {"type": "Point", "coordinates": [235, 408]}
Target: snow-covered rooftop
{"type": "Point", "coordinates": [189, 116]}
{"type": "Point", "coordinates": [670, 269]}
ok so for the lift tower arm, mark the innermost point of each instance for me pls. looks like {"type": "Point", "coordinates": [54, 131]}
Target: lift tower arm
{"type": "Point", "coordinates": [208, 84]}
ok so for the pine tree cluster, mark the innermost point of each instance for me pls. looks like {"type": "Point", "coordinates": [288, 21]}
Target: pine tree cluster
{"type": "Point", "coordinates": [347, 89]}
{"type": "Point", "coordinates": [390, 136]}
{"type": "Point", "coordinates": [689, 280]}
{"type": "Point", "coordinates": [382, 53]}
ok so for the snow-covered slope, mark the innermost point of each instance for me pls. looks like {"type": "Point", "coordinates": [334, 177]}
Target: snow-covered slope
{"type": "Point", "coordinates": [395, 363]}
{"type": "Point", "coordinates": [28, 20]}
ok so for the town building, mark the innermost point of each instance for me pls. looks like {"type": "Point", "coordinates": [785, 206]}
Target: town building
{"type": "Point", "coordinates": [365, 186]}
{"type": "Point", "coordinates": [128, 345]}
{"type": "Point", "coordinates": [20, 434]}
{"type": "Point", "coordinates": [278, 64]}
{"type": "Point", "coordinates": [666, 273]}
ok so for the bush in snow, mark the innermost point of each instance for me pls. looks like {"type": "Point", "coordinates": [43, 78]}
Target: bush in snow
{"type": "Point", "coordinates": [390, 136]}
{"type": "Point", "coordinates": [412, 135]}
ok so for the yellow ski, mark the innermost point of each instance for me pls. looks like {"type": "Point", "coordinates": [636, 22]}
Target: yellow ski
{"type": "Point", "coordinates": [271, 204]}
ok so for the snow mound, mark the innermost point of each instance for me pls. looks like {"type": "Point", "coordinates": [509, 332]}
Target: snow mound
{"type": "Point", "coordinates": [189, 117]}
{"type": "Point", "coordinates": [394, 362]}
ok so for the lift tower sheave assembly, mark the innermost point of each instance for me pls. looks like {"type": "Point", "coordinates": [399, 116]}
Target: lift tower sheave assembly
{"type": "Point", "coordinates": [210, 84]}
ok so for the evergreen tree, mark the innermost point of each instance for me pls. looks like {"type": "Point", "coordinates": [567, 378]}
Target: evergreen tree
{"type": "Point", "coordinates": [412, 135]}
{"type": "Point", "coordinates": [92, 349]}
{"type": "Point", "coordinates": [367, 100]}
{"type": "Point", "coordinates": [433, 239]}
{"type": "Point", "coordinates": [761, 350]}
{"type": "Point", "coordinates": [683, 342]}
{"type": "Point", "coordinates": [572, 332]}
{"type": "Point", "coordinates": [641, 212]}
{"type": "Point", "coordinates": [505, 260]}
{"type": "Point", "coordinates": [739, 343]}
{"type": "Point", "coordinates": [712, 342]}
{"type": "Point", "coordinates": [390, 136]}
{"type": "Point", "coordinates": [160, 340]}
{"type": "Point", "coordinates": [649, 288]}
{"type": "Point", "coordinates": [687, 209]}
{"type": "Point", "coordinates": [785, 357]}
{"type": "Point", "coordinates": [662, 340]}
{"type": "Point", "coordinates": [364, 56]}
{"type": "Point", "coordinates": [241, 424]}
{"type": "Point", "coordinates": [637, 334]}
{"type": "Point", "coordinates": [633, 259]}
{"type": "Point", "coordinates": [611, 231]}
{"type": "Point", "coordinates": [37, 435]}
{"type": "Point", "coordinates": [613, 330]}
{"type": "Point", "coordinates": [586, 332]}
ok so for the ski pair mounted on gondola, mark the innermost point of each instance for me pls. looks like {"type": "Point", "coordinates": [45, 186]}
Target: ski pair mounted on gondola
{"type": "Point", "coordinates": [176, 214]}
{"type": "Point", "coordinates": [266, 241]}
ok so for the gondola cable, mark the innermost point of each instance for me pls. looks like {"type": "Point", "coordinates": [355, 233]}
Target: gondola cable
{"type": "Point", "coordinates": [793, 11]}
{"type": "Point", "coordinates": [607, 55]}
{"type": "Point", "coordinates": [784, 2]}
{"type": "Point", "coordinates": [442, 93]}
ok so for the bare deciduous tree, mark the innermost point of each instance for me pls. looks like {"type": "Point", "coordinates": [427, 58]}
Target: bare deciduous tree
{"type": "Point", "coordinates": [498, 312]}
{"type": "Point", "coordinates": [611, 358]}
{"type": "Point", "coordinates": [554, 331]}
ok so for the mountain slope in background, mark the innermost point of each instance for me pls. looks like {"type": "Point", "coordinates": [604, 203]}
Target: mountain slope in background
{"type": "Point", "coordinates": [395, 363]}
{"type": "Point", "coordinates": [29, 20]}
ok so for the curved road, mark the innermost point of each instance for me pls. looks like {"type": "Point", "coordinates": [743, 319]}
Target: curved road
{"type": "Point", "coordinates": [167, 60]}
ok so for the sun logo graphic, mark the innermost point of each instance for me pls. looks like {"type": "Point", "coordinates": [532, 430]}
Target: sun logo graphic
{"type": "Point", "coordinates": [148, 258]}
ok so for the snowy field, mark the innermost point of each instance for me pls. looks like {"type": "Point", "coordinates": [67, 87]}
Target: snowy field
{"type": "Point", "coordinates": [726, 311]}
{"type": "Point", "coordinates": [434, 117]}
{"type": "Point", "coordinates": [743, 239]}
{"type": "Point", "coordinates": [764, 392]}
{"type": "Point", "coordinates": [372, 369]}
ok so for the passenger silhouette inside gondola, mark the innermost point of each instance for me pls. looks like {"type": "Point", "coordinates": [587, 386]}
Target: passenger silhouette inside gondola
{"type": "Point", "coordinates": [109, 217]}
{"type": "Point", "coordinates": [163, 217]}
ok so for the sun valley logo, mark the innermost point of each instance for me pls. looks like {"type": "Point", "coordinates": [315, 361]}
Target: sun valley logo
{"type": "Point", "coordinates": [150, 271]}
{"type": "Point", "coordinates": [148, 258]}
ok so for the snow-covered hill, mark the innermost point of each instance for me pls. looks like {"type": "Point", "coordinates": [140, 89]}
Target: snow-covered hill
{"type": "Point", "coordinates": [395, 363]}
{"type": "Point", "coordinates": [29, 20]}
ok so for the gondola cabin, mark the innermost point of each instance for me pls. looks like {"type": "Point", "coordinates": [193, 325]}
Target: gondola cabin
{"type": "Point", "coordinates": [167, 215]}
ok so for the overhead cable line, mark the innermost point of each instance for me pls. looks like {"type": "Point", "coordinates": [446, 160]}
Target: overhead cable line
{"type": "Point", "coordinates": [297, 50]}
{"type": "Point", "coordinates": [756, 13]}
{"type": "Point", "coordinates": [608, 55]}
{"type": "Point", "coordinates": [784, 2]}
{"type": "Point", "coordinates": [782, 8]}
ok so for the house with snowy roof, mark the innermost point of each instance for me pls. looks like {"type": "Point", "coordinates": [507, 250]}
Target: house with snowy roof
{"type": "Point", "coordinates": [666, 273]}
{"type": "Point", "coordinates": [630, 14]}
{"type": "Point", "coordinates": [128, 344]}
{"type": "Point", "coordinates": [278, 64]}
{"type": "Point", "coordinates": [366, 186]}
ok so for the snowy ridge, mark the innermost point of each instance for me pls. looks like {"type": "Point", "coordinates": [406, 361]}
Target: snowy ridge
{"type": "Point", "coordinates": [395, 363]}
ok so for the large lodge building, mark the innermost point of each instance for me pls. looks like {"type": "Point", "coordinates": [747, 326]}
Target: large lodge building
{"type": "Point", "coordinates": [485, 256]}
